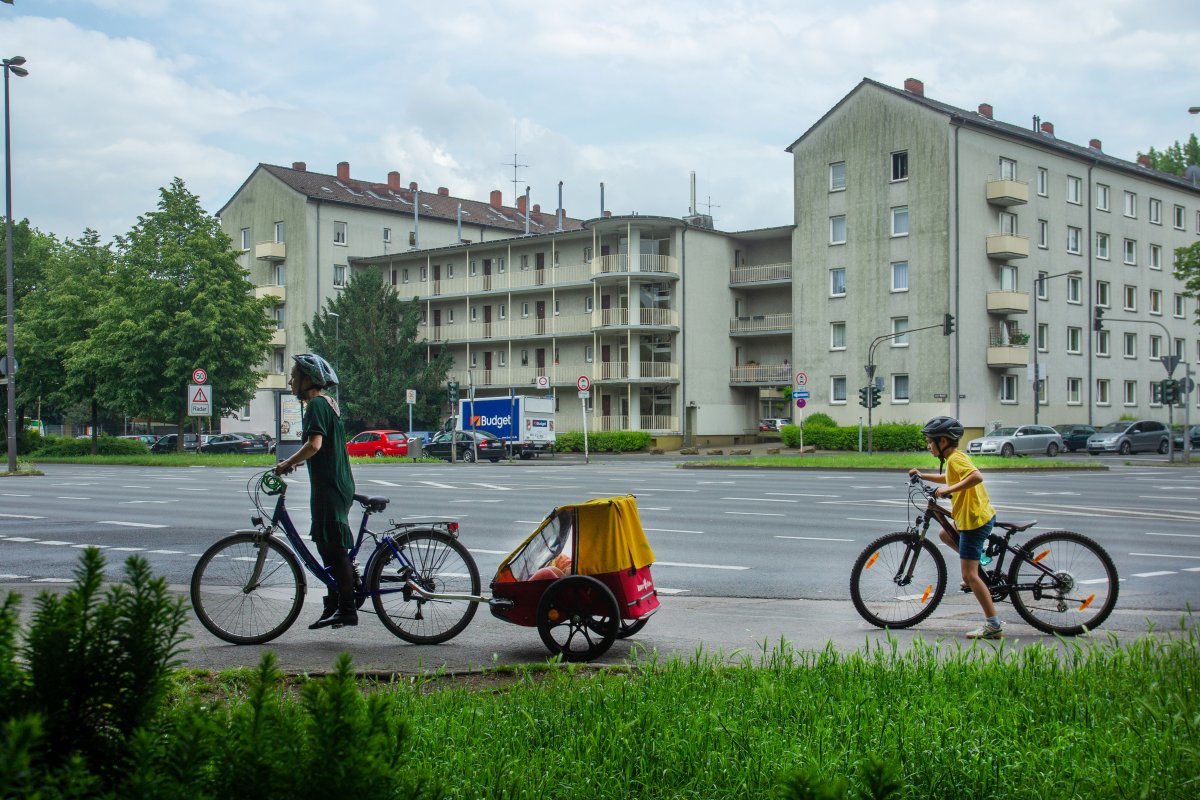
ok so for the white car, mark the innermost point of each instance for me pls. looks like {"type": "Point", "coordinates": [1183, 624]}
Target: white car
{"type": "Point", "coordinates": [773, 423]}
{"type": "Point", "coordinates": [1025, 439]}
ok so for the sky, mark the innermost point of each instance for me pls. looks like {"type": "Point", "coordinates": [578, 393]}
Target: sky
{"type": "Point", "coordinates": [125, 95]}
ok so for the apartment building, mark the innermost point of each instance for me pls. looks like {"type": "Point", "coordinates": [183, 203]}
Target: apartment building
{"type": "Point", "coordinates": [908, 209]}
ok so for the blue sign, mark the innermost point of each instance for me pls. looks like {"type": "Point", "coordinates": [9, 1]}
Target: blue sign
{"type": "Point", "coordinates": [801, 394]}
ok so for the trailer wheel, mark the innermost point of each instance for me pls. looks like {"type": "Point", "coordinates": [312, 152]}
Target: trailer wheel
{"type": "Point", "coordinates": [578, 618]}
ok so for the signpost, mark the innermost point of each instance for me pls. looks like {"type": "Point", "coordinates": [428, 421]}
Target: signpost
{"type": "Point", "coordinates": [584, 383]}
{"type": "Point", "coordinates": [801, 398]}
{"type": "Point", "coordinates": [199, 400]}
{"type": "Point", "coordinates": [410, 396]}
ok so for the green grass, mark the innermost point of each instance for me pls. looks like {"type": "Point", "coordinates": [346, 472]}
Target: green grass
{"type": "Point", "coordinates": [203, 460]}
{"type": "Point", "coordinates": [921, 460]}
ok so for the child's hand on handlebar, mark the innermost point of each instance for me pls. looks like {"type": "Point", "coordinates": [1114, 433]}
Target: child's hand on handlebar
{"type": "Point", "coordinates": [283, 468]}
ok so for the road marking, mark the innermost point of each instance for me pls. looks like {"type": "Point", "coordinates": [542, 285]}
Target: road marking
{"type": "Point", "coordinates": [1162, 555]}
{"type": "Point", "coordinates": [754, 514]}
{"type": "Point", "coordinates": [134, 502]}
{"type": "Point", "coordinates": [658, 589]}
{"type": "Point", "coordinates": [129, 524]}
{"type": "Point", "coordinates": [490, 552]}
{"type": "Point", "coordinates": [760, 500]}
{"type": "Point", "coordinates": [528, 522]}
{"type": "Point", "coordinates": [20, 539]}
{"type": "Point", "coordinates": [801, 494]}
{"type": "Point", "coordinates": [52, 542]}
{"type": "Point", "coordinates": [72, 498]}
{"type": "Point", "coordinates": [190, 489]}
{"type": "Point", "coordinates": [1186, 535]}
{"type": "Point", "coordinates": [20, 516]}
{"type": "Point", "coordinates": [52, 580]}
{"type": "Point", "coordinates": [871, 519]}
{"type": "Point", "coordinates": [654, 508]}
{"type": "Point", "coordinates": [168, 552]}
{"type": "Point", "coordinates": [703, 483]}
{"type": "Point", "coordinates": [13, 577]}
{"type": "Point", "coordinates": [669, 530]}
{"type": "Point", "coordinates": [127, 549]}
{"type": "Point", "coordinates": [438, 485]}
{"type": "Point", "coordinates": [1191, 569]}
{"type": "Point", "coordinates": [8, 494]}
{"type": "Point", "coordinates": [476, 500]}
{"type": "Point", "coordinates": [1153, 574]}
{"type": "Point", "coordinates": [97, 546]}
{"type": "Point", "coordinates": [135, 487]}
{"type": "Point", "coordinates": [72, 484]}
{"type": "Point", "coordinates": [696, 566]}
{"type": "Point", "coordinates": [815, 538]}
{"type": "Point", "coordinates": [1167, 497]}
{"type": "Point", "coordinates": [493, 486]}
{"type": "Point", "coordinates": [1105, 580]}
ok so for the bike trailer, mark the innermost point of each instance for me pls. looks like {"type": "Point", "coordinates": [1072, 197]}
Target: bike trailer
{"type": "Point", "coordinates": [601, 538]}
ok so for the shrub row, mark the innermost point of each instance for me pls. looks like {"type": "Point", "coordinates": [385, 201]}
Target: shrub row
{"type": "Point", "coordinates": [603, 441]}
{"type": "Point", "coordinates": [895, 437]}
{"type": "Point", "coordinates": [60, 446]}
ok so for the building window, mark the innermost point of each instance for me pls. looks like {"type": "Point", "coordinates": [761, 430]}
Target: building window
{"type": "Point", "coordinates": [503, 311]}
{"type": "Point", "coordinates": [1008, 279]}
{"type": "Point", "coordinates": [404, 275]}
{"type": "Point", "coordinates": [900, 326]}
{"type": "Point", "coordinates": [1043, 234]}
{"type": "Point", "coordinates": [1073, 236]}
{"type": "Point", "coordinates": [1043, 181]}
{"type": "Point", "coordinates": [1102, 246]}
{"type": "Point", "coordinates": [424, 273]}
{"type": "Point", "coordinates": [339, 233]}
{"type": "Point", "coordinates": [339, 275]}
{"type": "Point", "coordinates": [837, 229]}
{"type": "Point", "coordinates": [245, 238]}
{"type": "Point", "coordinates": [1129, 345]}
{"type": "Point", "coordinates": [900, 165]}
{"type": "Point", "coordinates": [472, 267]}
{"type": "Point", "coordinates": [837, 336]}
{"type": "Point", "coordinates": [1102, 343]}
{"type": "Point", "coordinates": [1131, 252]}
{"type": "Point", "coordinates": [1177, 349]}
{"type": "Point", "coordinates": [1074, 289]}
{"type": "Point", "coordinates": [1043, 334]}
{"type": "Point", "coordinates": [837, 176]}
{"type": "Point", "coordinates": [1074, 338]}
{"type": "Point", "coordinates": [1155, 348]}
{"type": "Point", "coordinates": [900, 221]}
{"type": "Point", "coordinates": [280, 274]}
{"type": "Point", "coordinates": [1008, 223]}
{"type": "Point", "coordinates": [1131, 298]}
{"type": "Point", "coordinates": [1131, 205]}
{"type": "Point", "coordinates": [556, 309]}
{"type": "Point", "coordinates": [524, 310]}
{"type": "Point", "coordinates": [278, 360]}
{"type": "Point", "coordinates": [1008, 388]}
{"type": "Point", "coordinates": [387, 235]}
{"type": "Point", "coordinates": [1155, 256]}
{"type": "Point", "coordinates": [280, 316]}
{"type": "Point", "coordinates": [1156, 301]}
{"type": "Point", "coordinates": [449, 316]}
{"type": "Point", "coordinates": [279, 232]}
{"type": "Point", "coordinates": [1177, 309]}
{"type": "Point", "coordinates": [1102, 392]}
{"type": "Point", "coordinates": [502, 358]}
{"type": "Point", "coordinates": [587, 253]}
{"type": "Point", "coordinates": [1101, 197]}
{"type": "Point", "coordinates": [449, 271]}
{"type": "Point", "coordinates": [524, 261]}
{"type": "Point", "coordinates": [899, 388]}
{"type": "Point", "coordinates": [837, 282]}
{"type": "Point", "coordinates": [1155, 212]}
{"type": "Point", "coordinates": [474, 314]}
{"type": "Point", "coordinates": [587, 353]}
{"type": "Point", "coordinates": [1074, 391]}
{"type": "Point", "coordinates": [1008, 169]}
{"type": "Point", "coordinates": [500, 264]}
{"type": "Point", "coordinates": [837, 389]}
{"type": "Point", "coordinates": [1074, 190]}
{"type": "Point", "coordinates": [900, 276]}
{"type": "Point", "coordinates": [1039, 284]}
{"type": "Point", "coordinates": [1130, 393]}
{"type": "Point", "coordinates": [474, 361]}
{"type": "Point", "coordinates": [524, 358]}
{"type": "Point", "coordinates": [1102, 293]}
{"type": "Point", "coordinates": [587, 304]}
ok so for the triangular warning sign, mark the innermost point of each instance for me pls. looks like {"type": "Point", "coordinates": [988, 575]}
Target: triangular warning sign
{"type": "Point", "coordinates": [200, 396]}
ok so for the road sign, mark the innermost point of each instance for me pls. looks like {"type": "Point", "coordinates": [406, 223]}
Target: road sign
{"type": "Point", "coordinates": [797, 395]}
{"type": "Point", "coordinates": [802, 393]}
{"type": "Point", "coordinates": [4, 366]}
{"type": "Point", "coordinates": [584, 395]}
{"type": "Point", "coordinates": [584, 383]}
{"type": "Point", "coordinates": [410, 397]}
{"type": "Point", "coordinates": [543, 381]}
{"type": "Point", "coordinates": [801, 379]}
{"type": "Point", "coordinates": [801, 403]}
{"type": "Point", "coordinates": [1170, 362]}
{"type": "Point", "coordinates": [199, 400]}
{"type": "Point", "coordinates": [1186, 385]}
{"type": "Point", "coordinates": [199, 375]}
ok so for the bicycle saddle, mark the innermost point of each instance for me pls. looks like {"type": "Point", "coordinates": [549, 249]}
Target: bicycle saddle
{"type": "Point", "coordinates": [372, 504]}
{"type": "Point", "coordinates": [1017, 527]}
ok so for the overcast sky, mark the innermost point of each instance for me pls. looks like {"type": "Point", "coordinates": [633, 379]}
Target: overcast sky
{"type": "Point", "coordinates": [123, 95]}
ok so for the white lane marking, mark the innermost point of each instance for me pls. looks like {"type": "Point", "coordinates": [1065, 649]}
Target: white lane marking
{"type": "Point", "coordinates": [68, 497]}
{"type": "Point", "coordinates": [872, 519]}
{"type": "Point", "coordinates": [1153, 574]}
{"type": "Point", "coordinates": [1186, 535]}
{"type": "Point", "coordinates": [135, 487]}
{"type": "Point", "coordinates": [20, 539]}
{"type": "Point", "coordinates": [645, 490]}
{"type": "Point", "coordinates": [654, 508]}
{"type": "Point", "coordinates": [135, 502]}
{"type": "Point", "coordinates": [1167, 497]}
{"type": "Point", "coordinates": [490, 552]}
{"type": "Point", "coordinates": [190, 489]}
{"type": "Point", "coordinates": [800, 494]}
{"type": "Point", "coordinates": [754, 514]}
{"type": "Point", "coordinates": [168, 552]}
{"type": "Point", "coordinates": [97, 546]}
{"type": "Point", "coordinates": [760, 500]}
{"type": "Point", "coordinates": [129, 524]}
{"type": "Point", "coordinates": [52, 580]}
{"type": "Point", "coordinates": [72, 484]}
{"type": "Point", "coordinates": [1163, 555]}
{"type": "Point", "coordinates": [493, 486]}
{"type": "Point", "coordinates": [815, 538]}
{"type": "Point", "coordinates": [476, 500]}
{"type": "Point", "coordinates": [1191, 569]}
{"type": "Point", "coordinates": [1105, 580]}
{"type": "Point", "coordinates": [659, 589]}
{"type": "Point", "coordinates": [7, 577]}
{"type": "Point", "coordinates": [705, 483]}
{"type": "Point", "coordinates": [696, 566]}
{"type": "Point", "coordinates": [20, 516]}
{"type": "Point", "coordinates": [669, 530]}
{"type": "Point", "coordinates": [127, 549]}
{"type": "Point", "coordinates": [9, 494]}
{"type": "Point", "coordinates": [383, 483]}
{"type": "Point", "coordinates": [528, 522]}
{"type": "Point", "coordinates": [52, 542]}
{"type": "Point", "coordinates": [438, 485]}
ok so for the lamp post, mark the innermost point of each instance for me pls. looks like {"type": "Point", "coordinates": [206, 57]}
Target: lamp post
{"type": "Point", "coordinates": [1037, 378]}
{"type": "Point", "coordinates": [12, 65]}
{"type": "Point", "coordinates": [337, 339]}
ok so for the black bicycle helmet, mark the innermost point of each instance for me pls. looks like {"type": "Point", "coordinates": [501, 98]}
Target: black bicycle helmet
{"type": "Point", "coordinates": [948, 427]}
{"type": "Point", "coordinates": [317, 369]}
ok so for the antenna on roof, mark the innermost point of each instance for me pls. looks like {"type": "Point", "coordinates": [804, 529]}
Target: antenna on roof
{"type": "Point", "coordinates": [711, 205]}
{"type": "Point", "coordinates": [515, 165]}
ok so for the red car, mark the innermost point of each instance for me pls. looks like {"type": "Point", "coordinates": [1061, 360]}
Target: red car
{"type": "Point", "coordinates": [373, 444]}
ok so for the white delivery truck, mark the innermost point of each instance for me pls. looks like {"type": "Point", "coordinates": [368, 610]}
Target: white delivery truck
{"type": "Point", "coordinates": [526, 423]}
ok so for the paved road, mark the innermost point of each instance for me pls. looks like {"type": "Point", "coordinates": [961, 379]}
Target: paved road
{"type": "Point", "coordinates": [743, 556]}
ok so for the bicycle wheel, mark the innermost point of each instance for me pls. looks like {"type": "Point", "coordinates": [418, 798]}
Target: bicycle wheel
{"type": "Point", "coordinates": [1063, 582]}
{"type": "Point", "coordinates": [438, 563]}
{"type": "Point", "coordinates": [898, 580]}
{"type": "Point", "coordinates": [233, 608]}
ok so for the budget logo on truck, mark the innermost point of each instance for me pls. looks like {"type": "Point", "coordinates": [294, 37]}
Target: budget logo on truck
{"type": "Point", "coordinates": [481, 421]}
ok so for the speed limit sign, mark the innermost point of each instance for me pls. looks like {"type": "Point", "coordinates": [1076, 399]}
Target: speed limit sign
{"type": "Point", "coordinates": [199, 376]}
{"type": "Point", "coordinates": [584, 383]}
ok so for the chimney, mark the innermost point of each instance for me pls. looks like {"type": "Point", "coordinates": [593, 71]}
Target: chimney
{"type": "Point", "coordinates": [1048, 128]}
{"type": "Point", "coordinates": [343, 171]}
{"type": "Point", "coordinates": [1144, 161]}
{"type": "Point", "coordinates": [394, 181]}
{"type": "Point", "coordinates": [497, 199]}
{"type": "Point", "coordinates": [915, 86]}
{"type": "Point", "coordinates": [985, 110]}
{"type": "Point", "coordinates": [607, 214]}
{"type": "Point", "coordinates": [443, 191]}
{"type": "Point", "coordinates": [537, 209]}
{"type": "Point", "coordinates": [413, 186]}
{"type": "Point", "coordinates": [521, 204]}
{"type": "Point", "coordinates": [1095, 144]}
{"type": "Point", "coordinates": [299, 166]}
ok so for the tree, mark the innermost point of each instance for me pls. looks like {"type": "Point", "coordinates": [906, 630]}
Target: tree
{"type": "Point", "coordinates": [373, 346]}
{"type": "Point", "coordinates": [1176, 158]}
{"type": "Point", "coordinates": [1187, 269]}
{"type": "Point", "coordinates": [180, 300]}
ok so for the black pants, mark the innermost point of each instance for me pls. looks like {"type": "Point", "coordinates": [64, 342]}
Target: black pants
{"type": "Point", "coordinates": [337, 558]}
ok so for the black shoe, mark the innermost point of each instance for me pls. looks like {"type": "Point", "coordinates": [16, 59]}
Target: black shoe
{"type": "Point", "coordinates": [344, 617]}
{"type": "Point", "coordinates": [331, 607]}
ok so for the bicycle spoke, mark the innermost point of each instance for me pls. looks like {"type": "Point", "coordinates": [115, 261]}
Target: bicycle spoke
{"type": "Point", "coordinates": [1065, 584]}
{"type": "Point", "coordinates": [897, 581]}
{"type": "Point", "coordinates": [438, 564]}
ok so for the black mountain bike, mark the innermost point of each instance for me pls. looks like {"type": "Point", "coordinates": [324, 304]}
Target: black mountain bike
{"type": "Point", "coordinates": [1059, 582]}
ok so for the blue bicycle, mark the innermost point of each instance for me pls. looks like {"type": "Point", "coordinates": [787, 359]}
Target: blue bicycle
{"type": "Point", "coordinates": [249, 587]}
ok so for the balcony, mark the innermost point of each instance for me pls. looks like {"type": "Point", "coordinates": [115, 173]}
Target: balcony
{"type": "Point", "coordinates": [760, 273]}
{"type": "Point", "coordinates": [760, 324]}
{"type": "Point", "coordinates": [611, 371]}
{"type": "Point", "coordinates": [1007, 193]}
{"type": "Point", "coordinates": [274, 381]}
{"type": "Point", "coordinates": [279, 292]}
{"type": "Point", "coordinates": [654, 423]}
{"type": "Point", "coordinates": [270, 251]}
{"type": "Point", "coordinates": [621, 264]}
{"type": "Point", "coordinates": [1004, 356]}
{"type": "Point", "coordinates": [1008, 302]}
{"type": "Point", "coordinates": [643, 318]}
{"type": "Point", "coordinates": [760, 374]}
{"type": "Point", "coordinates": [279, 338]}
{"type": "Point", "coordinates": [1005, 246]}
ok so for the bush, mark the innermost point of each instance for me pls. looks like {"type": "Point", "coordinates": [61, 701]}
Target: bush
{"type": "Point", "coordinates": [60, 446]}
{"type": "Point", "coordinates": [895, 437]}
{"type": "Point", "coordinates": [27, 441]}
{"type": "Point", "coordinates": [603, 441]}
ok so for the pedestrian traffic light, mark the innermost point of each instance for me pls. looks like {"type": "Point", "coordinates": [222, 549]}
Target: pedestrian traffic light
{"type": "Point", "coordinates": [864, 395]}
{"type": "Point", "coordinates": [947, 325]}
{"type": "Point", "coordinates": [1098, 318]}
{"type": "Point", "coordinates": [874, 396]}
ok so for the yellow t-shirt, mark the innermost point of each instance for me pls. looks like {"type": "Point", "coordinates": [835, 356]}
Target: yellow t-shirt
{"type": "Point", "coordinates": [971, 507]}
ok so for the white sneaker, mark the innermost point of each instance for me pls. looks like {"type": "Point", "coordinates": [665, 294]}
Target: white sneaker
{"type": "Point", "coordinates": [987, 631]}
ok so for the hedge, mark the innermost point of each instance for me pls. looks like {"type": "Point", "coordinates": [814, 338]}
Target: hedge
{"type": "Point", "coordinates": [108, 446]}
{"type": "Point", "coordinates": [603, 442]}
{"type": "Point", "coordinates": [887, 437]}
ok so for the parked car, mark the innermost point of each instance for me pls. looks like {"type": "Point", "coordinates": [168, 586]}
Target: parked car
{"type": "Point", "coordinates": [233, 443]}
{"type": "Point", "coordinates": [266, 439]}
{"type": "Point", "coordinates": [1129, 436]}
{"type": "Point", "coordinates": [147, 439]}
{"type": "Point", "coordinates": [373, 444]}
{"type": "Point", "coordinates": [1021, 440]}
{"type": "Point", "coordinates": [493, 448]}
{"type": "Point", "coordinates": [1193, 433]}
{"type": "Point", "coordinates": [168, 443]}
{"type": "Point", "coordinates": [1075, 436]}
{"type": "Point", "coordinates": [773, 423]}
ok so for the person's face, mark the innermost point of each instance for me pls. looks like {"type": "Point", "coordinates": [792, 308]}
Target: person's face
{"type": "Point", "coordinates": [296, 381]}
{"type": "Point", "coordinates": [936, 445]}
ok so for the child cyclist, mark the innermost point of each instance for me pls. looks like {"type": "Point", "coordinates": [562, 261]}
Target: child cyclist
{"type": "Point", "coordinates": [972, 511]}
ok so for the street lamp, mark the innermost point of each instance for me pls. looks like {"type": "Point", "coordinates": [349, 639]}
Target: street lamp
{"type": "Point", "coordinates": [1037, 378]}
{"type": "Point", "coordinates": [337, 338]}
{"type": "Point", "coordinates": [12, 65]}
{"type": "Point", "coordinates": [1194, 110]}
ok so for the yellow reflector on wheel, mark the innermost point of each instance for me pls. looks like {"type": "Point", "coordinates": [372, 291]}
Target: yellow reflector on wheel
{"type": "Point", "coordinates": [1087, 602]}
{"type": "Point", "coordinates": [928, 591]}
{"type": "Point", "coordinates": [553, 614]}
{"type": "Point", "coordinates": [1040, 556]}
{"type": "Point", "coordinates": [871, 560]}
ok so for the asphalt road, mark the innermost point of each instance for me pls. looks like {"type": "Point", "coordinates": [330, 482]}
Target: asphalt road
{"type": "Point", "coordinates": [743, 556]}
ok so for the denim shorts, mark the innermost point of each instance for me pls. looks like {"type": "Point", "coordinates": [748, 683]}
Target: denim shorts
{"type": "Point", "coordinates": [971, 543]}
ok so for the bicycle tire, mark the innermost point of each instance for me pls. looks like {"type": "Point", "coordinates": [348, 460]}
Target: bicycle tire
{"type": "Point", "coordinates": [879, 599]}
{"type": "Point", "coordinates": [227, 610]}
{"type": "Point", "coordinates": [443, 565]}
{"type": "Point", "coordinates": [1085, 587]}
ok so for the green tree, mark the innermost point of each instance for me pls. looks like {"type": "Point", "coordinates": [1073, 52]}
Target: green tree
{"type": "Point", "coordinates": [1176, 158]}
{"type": "Point", "coordinates": [180, 300]}
{"type": "Point", "coordinates": [1187, 269]}
{"type": "Point", "coordinates": [373, 346]}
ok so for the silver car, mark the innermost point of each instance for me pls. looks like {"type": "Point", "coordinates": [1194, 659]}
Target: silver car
{"type": "Point", "coordinates": [1129, 436]}
{"type": "Point", "coordinates": [1022, 440]}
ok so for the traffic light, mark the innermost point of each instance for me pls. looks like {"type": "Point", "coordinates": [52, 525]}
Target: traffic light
{"type": "Point", "coordinates": [947, 325]}
{"type": "Point", "coordinates": [864, 396]}
{"type": "Point", "coordinates": [452, 391]}
{"type": "Point", "coordinates": [1098, 318]}
{"type": "Point", "coordinates": [874, 396]}
{"type": "Point", "coordinates": [1169, 392]}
